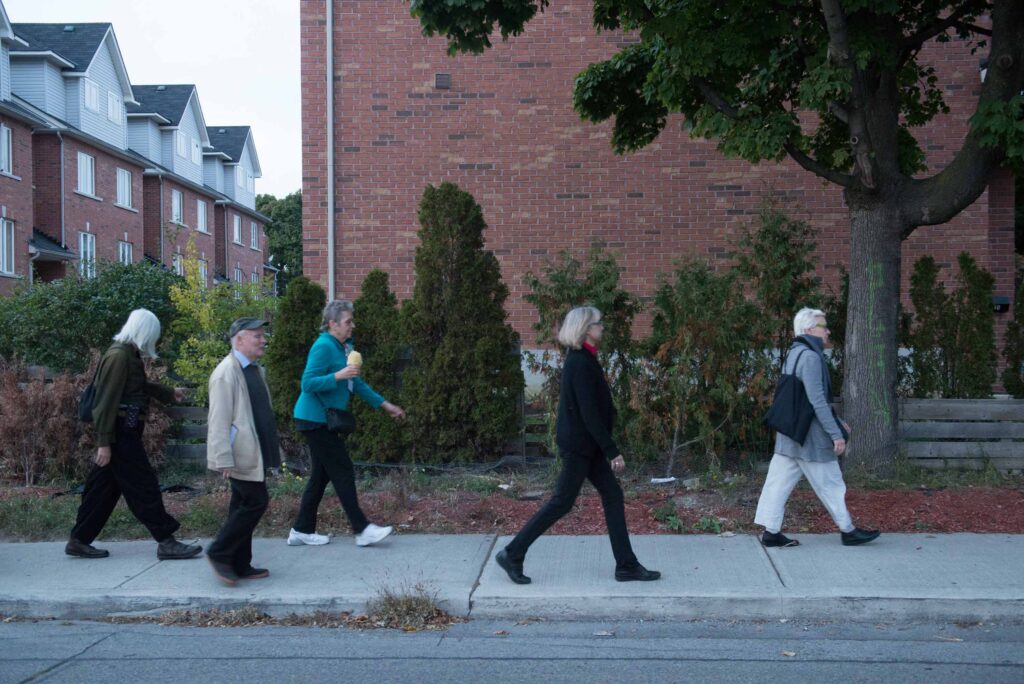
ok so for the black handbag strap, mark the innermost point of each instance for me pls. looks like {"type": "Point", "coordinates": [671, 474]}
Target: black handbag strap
{"type": "Point", "coordinates": [795, 363]}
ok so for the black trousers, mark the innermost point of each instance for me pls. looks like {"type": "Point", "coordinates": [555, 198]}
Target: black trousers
{"type": "Point", "coordinates": [233, 545]}
{"type": "Point", "coordinates": [575, 468]}
{"type": "Point", "coordinates": [329, 462]}
{"type": "Point", "coordinates": [129, 473]}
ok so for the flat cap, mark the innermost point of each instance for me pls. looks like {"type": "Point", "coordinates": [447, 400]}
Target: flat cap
{"type": "Point", "coordinates": [246, 324]}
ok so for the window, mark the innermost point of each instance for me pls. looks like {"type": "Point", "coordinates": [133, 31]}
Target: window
{"type": "Point", "coordinates": [114, 107]}
{"type": "Point", "coordinates": [124, 187]}
{"type": "Point", "coordinates": [6, 150]}
{"type": "Point", "coordinates": [86, 174]}
{"type": "Point", "coordinates": [92, 95]}
{"type": "Point", "coordinates": [124, 252]}
{"type": "Point", "coordinates": [254, 236]}
{"type": "Point", "coordinates": [177, 207]}
{"type": "Point", "coordinates": [181, 144]}
{"type": "Point", "coordinates": [203, 272]}
{"type": "Point", "coordinates": [237, 229]}
{"type": "Point", "coordinates": [6, 246]}
{"type": "Point", "coordinates": [240, 176]}
{"type": "Point", "coordinates": [197, 152]}
{"type": "Point", "coordinates": [87, 255]}
{"type": "Point", "coordinates": [178, 265]}
{"type": "Point", "coordinates": [255, 277]}
{"type": "Point", "coordinates": [238, 274]}
{"type": "Point", "coordinates": [250, 182]}
{"type": "Point", "coordinates": [201, 216]}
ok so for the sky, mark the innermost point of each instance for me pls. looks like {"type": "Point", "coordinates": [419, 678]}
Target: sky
{"type": "Point", "coordinates": [242, 55]}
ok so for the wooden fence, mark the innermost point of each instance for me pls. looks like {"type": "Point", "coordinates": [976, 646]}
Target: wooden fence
{"type": "Point", "coordinates": [963, 433]}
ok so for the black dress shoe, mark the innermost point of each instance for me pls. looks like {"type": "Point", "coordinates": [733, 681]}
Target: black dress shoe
{"type": "Point", "coordinates": [224, 572]}
{"type": "Point", "coordinates": [253, 573]}
{"type": "Point", "coordinates": [636, 574]}
{"type": "Point", "coordinates": [859, 536]}
{"type": "Point", "coordinates": [773, 539]}
{"type": "Point", "coordinates": [172, 549]}
{"type": "Point", "coordinates": [514, 569]}
{"type": "Point", "coordinates": [83, 550]}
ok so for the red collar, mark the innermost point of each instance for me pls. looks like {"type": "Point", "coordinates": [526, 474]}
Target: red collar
{"type": "Point", "coordinates": [590, 348]}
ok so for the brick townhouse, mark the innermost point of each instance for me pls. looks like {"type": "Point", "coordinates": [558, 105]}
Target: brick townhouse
{"type": "Point", "coordinates": [502, 126]}
{"type": "Point", "coordinates": [95, 169]}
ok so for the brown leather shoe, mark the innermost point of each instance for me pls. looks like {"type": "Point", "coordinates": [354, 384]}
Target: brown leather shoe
{"type": "Point", "coordinates": [82, 550]}
{"type": "Point", "coordinates": [254, 573]}
{"type": "Point", "coordinates": [172, 549]}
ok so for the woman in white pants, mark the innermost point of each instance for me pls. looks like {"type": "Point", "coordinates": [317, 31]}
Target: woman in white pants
{"type": "Point", "coordinates": [818, 457]}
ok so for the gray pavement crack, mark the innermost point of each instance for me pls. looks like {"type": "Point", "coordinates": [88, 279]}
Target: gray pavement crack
{"type": "Point", "coordinates": [38, 676]}
{"type": "Point", "coordinates": [139, 574]}
{"type": "Point", "coordinates": [772, 563]}
{"type": "Point", "coordinates": [476, 582]}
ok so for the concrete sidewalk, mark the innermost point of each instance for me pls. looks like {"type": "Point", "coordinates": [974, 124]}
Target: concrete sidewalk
{"type": "Point", "coordinates": [900, 577]}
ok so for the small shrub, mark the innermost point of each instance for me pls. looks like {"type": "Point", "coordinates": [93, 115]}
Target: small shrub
{"type": "Point", "coordinates": [407, 608]}
{"type": "Point", "coordinates": [1013, 351]}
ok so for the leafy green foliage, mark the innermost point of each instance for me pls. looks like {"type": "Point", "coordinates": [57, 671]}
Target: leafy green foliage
{"type": "Point", "coordinates": [1013, 352]}
{"type": "Point", "coordinates": [464, 384]}
{"type": "Point", "coordinates": [295, 328]}
{"type": "Point", "coordinates": [284, 235]}
{"type": "Point", "coordinates": [952, 337]}
{"type": "Point", "coordinates": [378, 338]}
{"type": "Point", "coordinates": [55, 324]}
{"type": "Point", "coordinates": [471, 22]}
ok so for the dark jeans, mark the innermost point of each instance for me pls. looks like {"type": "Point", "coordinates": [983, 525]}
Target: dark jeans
{"type": "Point", "coordinates": [576, 468]}
{"type": "Point", "coordinates": [128, 473]}
{"type": "Point", "coordinates": [233, 544]}
{"type": "Point", "coordinates": [329, 462]}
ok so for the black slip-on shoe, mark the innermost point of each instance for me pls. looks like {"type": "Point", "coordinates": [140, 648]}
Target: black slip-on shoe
{"type": "Point", "coordinates": [637, 574]}
{"type": "Point", "coordinates": [82, 550]}
{"type": "Point", "coordinates": [777, 539]}
{"type": "Point", "coordinates": [253, 573]}
{"type": "Point", "coordinates": [172, 549]}
{"type": "Point", "coordinates": [514, 569]}
{"type": "Point", "coordinates": [858, 536]}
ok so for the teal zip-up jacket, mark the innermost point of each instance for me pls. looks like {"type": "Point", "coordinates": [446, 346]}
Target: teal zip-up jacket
{"type": "Point", "coordinates": [326, 357]}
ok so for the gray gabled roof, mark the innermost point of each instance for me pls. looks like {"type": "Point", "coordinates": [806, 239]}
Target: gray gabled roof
{"type": "Point", "coordinates": [228, 139]}
{"type": "Point", "coordinates": [78, 46]}
{"type": "Point", "coordinates": [169, 101]}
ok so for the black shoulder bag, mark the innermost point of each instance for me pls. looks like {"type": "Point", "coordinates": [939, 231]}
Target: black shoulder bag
{"type": "Point", "coordinates": [87, 399]}
{"type": "Point", "coordinates": [791, 413]}
{"type": "Point", "coordinates": [339, 420]}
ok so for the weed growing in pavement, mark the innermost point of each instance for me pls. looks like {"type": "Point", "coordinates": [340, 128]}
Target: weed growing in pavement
{"type": "Point", "coordinates": [407, 608]}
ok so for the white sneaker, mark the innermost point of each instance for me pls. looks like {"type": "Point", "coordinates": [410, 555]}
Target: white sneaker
{"type": "Point", "coordinates": [373, 534]}
{"type": "Point", "coordinates": [311, 539]}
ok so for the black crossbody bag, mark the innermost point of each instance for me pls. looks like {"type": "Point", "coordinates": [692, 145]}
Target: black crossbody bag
{"type": "Point", "coordinates": [339, 420]}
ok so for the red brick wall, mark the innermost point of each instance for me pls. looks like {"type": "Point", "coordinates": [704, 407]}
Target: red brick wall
{"type": "Point", "coordinates": [548, 181]}
{"type": "Point", "coordinates": [46, 195]}
{"type": "Point", "coordinates": [243, 255]}
{"type": "Point", "coordinates": [16, 200]}
{"type": "Point", "coordinates": [151, 217]}
{"type": "Point", "coordinates": [176, 236]}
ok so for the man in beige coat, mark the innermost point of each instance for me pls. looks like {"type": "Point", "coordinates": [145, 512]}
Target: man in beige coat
{"type": "Point", "coordinates": [242, 443]}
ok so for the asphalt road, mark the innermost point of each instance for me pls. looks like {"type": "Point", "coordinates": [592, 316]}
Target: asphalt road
{"type": "Point", "coordinates": [494, 651]}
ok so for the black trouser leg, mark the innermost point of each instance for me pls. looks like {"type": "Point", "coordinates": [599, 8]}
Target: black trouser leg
{"type": "Point", "coordinates": [575, 468]}
{"type": "Point", "coordinates": [129, 473]}
{"type": "Point", "coordinates": [614, 504]}
{"type": "Point", "coordinates": [233, 544]}
{"type": "Point", "coordinates": [329, 451]}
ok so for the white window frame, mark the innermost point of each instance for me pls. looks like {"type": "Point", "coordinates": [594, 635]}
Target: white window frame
{"type": "Point", "coordinates": [181, 144]}
{"type": "Point", "coordinates": [178, 265]}
{"type": "Point", "coordinates": [254, 236]}
{"type": "Point", "coordinates": [236, 229]}
{"type": "Point", "coordinates": [6, 246]}
{"type": "Point", "coordinates": [239, 276]}
{"type": "Point", "coordinates": [204, 272]}
{"type": "Point", "coordinates": [115, 110]}
{"type": "Point", "coordinates": [6, 150]}
{"type": "Point", "coordinates": [201, 224]}
{"type": "Point", "coordinates": [197, 152]}
{"type": "Point", "coordinates": [177, 207]}
{"type": "Point", "coordinates": [86, 174]}
{"type": "Point", "coordinates": [124, 188]}
{"type": "Point", "coordinates": [239, 176]}
{"type": "Point", "coordinates": [92, 95]}
{"type": "Point", "coordinates": [124, 252]}
{"type": "Point", "coordinates": [255, 277]}
{"type": "Point", "coordinates": [87, 255]}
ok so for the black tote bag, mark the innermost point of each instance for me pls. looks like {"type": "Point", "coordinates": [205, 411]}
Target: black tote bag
{"type": "Point", "coordinates": [790, 413]}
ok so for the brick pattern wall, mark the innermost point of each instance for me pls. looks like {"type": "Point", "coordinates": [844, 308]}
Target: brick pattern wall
{"type": "Point", "coordinates": [16, 200]}
{"type": "Point", "coordinates": [177, 235]}
{"type": "Point", "coordinates": [506, 132]}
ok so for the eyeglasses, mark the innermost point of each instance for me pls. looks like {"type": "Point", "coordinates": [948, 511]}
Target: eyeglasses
{"type": "Point", "coordinates": [821, 325]}
{"type": "Point", "coordinates": [600, 323]}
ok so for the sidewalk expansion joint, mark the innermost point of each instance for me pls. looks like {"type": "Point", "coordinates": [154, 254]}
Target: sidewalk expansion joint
{"type": "Point", "coordinates": [138, 574]}
{"type": "Point", "coordinates": [772, 563]}
{"type": "Point", "coordinates": [476, 582]}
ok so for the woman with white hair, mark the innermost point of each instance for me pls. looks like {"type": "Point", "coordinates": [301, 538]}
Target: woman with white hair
{"type": "Point", "coordinates": [586, 417]}
{"type": "Point", "coordinates": [817, 457]}
{"type": "Point", "coordinates": [121, 466]}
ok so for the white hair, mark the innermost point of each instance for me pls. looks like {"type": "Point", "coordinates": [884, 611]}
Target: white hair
{"type": "Point", "coordinates": [806, 318]}
{"type": "Point", "coordinates": [574, 328]}
{"type": "Point", "coordinates": [333, 312]}
{"type": "Point", "coordinates": [141, 329]}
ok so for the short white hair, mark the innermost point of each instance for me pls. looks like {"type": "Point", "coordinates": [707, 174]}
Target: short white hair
{"type": "Point", "coordinates": [574, 327]}
{"type": "Point", "coordinates": [806, 318]}
{"type": "Point", "coordinates": [141, 329]}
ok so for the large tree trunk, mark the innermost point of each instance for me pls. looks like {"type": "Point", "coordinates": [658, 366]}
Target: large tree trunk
{"type": "Point", "coordinates": [869, 383]}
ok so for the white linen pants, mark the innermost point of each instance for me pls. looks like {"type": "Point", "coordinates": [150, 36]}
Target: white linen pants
{"type": "Point", "coordinates": [783, 473]}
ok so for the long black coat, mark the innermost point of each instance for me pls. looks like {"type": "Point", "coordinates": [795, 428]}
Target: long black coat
{"type": "Point", "coordinates": [586, 414]}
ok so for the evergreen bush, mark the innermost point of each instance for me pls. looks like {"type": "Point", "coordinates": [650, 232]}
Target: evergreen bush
{"type": "Point", "coordinates": [1013, 351]}
{"type": "Point", "coordinates": [464, 384]}
{"type": "Point", "coordinates": [296, 326]}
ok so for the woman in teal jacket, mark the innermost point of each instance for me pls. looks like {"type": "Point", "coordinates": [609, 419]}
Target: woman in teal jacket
{"type": "Point", "coordinates": [328, 382]}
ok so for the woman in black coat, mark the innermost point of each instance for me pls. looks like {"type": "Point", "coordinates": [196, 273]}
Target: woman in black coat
{"type": "Point", "coordinates": [586, 417]}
